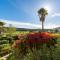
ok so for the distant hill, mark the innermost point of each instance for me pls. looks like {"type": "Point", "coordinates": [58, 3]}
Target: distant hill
{"type": "Point", "coordinates": [26, 29]}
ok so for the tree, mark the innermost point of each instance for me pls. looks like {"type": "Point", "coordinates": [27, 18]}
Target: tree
{"type": "Point", "coordinates": [1, 27]}
{"type": "Point", "coordinates": [42, 14]}
{"type": "Point", "coordinates": [1, 23]}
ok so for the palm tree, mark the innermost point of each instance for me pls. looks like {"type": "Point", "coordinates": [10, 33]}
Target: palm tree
{"type": "Point", "coordinates": [42, 14]}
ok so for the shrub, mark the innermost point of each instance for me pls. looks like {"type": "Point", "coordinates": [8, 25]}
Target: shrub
{"type": "Point", "coordinates": [39, 41]}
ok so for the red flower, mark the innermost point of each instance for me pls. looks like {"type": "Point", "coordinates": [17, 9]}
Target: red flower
{"type": "Point", "coordinates": [42, 37]}
{"type": "Point", "coordinates": [17, 41]}
{"type": "Point", "coordinates": [35, 38]}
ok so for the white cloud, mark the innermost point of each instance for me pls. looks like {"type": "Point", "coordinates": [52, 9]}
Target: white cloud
{"type": "Point", "coordinates": [20, 24]}
{"type": "Point", "coordinates": [28, 25]}
{"type": "Point", "coordinates": [51, 26]}
{"type": "Point", "coordinates": [55, 14]}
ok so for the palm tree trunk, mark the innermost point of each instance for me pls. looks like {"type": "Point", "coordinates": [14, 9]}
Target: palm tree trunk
{"type": "Point", "coordinates": [42, 25]}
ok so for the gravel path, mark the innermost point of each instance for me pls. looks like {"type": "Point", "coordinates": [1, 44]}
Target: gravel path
{"type": "Point", "coordinates": [5, 57]}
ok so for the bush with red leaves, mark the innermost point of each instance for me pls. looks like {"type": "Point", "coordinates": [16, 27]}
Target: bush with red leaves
{"type": "Point", "coordinates": [34, 40]}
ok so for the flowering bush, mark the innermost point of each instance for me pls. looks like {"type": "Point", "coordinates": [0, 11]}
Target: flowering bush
{"type": "Point", "coordinates": [32, 41]}
{"type": "Point", "coordinates": [36, 39]}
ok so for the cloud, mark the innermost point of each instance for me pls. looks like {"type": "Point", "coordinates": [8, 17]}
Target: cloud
{"type": "Point", "coordinates": [20, 24]}
{"type": "Point", "coordinates": [51, 26]}
{"type": "Point", "coordinates": [55, 14]}
{"type": "Point", "coordinates": [28, 25]}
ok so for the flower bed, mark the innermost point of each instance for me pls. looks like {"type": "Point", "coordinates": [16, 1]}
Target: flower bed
{"type": "Point", "coordinates": [32, 41]}
{"type": "Point", "coordinates": [36, 38]}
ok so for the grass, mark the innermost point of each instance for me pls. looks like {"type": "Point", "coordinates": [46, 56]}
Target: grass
{"type": "Point", "coordinates": [17, 32]}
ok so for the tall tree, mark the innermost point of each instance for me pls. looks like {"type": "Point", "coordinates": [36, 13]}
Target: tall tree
{"type": "Point", "coordinates": [42, 14]}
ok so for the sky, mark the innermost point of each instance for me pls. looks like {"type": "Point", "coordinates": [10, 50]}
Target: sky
{"type": "Point", "coordinates": [23, 13]}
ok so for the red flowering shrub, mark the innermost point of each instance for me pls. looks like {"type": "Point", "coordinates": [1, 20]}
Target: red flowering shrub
{"type": "Point", "coordinates": [35, 39]}
{"type": "Point", "coordinates": [38, 37]}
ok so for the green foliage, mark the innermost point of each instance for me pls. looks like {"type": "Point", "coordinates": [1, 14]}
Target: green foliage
{"type": "Point", "coordinates": [37, 55]}
{"type": "Point", "coordinates": [11, 30]}
{"type": "Point", "coordinates": [11, 57]}
{"type": "Point", "coordinates": [42, 12]}
{"type": "Point", "coordinates": [4, 46]}
{"type": "Point", "coordinates": [1, 23]}
{"type": "Point", "coordinates": [1, 28]}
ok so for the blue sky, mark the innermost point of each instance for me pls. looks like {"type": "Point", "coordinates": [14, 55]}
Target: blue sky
{"type": "Point", "coordinates": [23, 13]}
